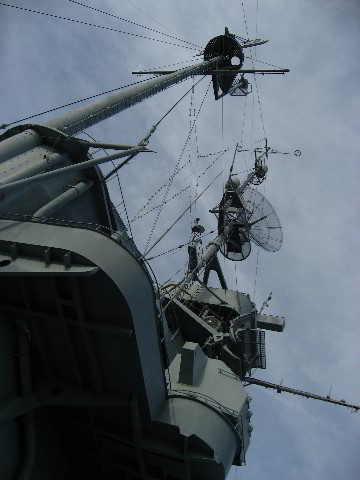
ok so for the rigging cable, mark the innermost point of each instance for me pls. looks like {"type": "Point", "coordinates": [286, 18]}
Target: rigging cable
{"type": "Point", "coordinates": [137, 216]}
{"type": "Point", "coordinates": [252, 61]}
{"type": "Point", "coordinates": [222, 140]}
{"type": "Point", "coordinates": [189, 154]}
{"type": "Point", "coordinates": [261, 61]}
{"type": "Point", "coordinates": [176, 248]}
{"type": "Point", "coordinates": [176, 194]}
{"type": "Point", "coordinates": [256, 271]}
{"type": "Point", "coordinates": [222, 145]}
{"type": "Point", "coordinates": [176, 168]}
{"type": "Point", "coordinates": [252, 128]}
{"type": "Point", "coordinates": [158, 191]}
{"type": "Point", "coordinates": [6, 125]}
{"type": "Point", "coordinates": [122, 197]}
{"type": "Point", "coordinates": [243, 128]}
{"type": "Point", "coordinates": [172, 276]}
{"type": "Point", "coordinates": [254, 58]}
{"type": "Point", "coordinates": [213, 153]}
{"type": "Point", "coordinates": [223, 162]}
{"type": "Point", "coordinates": [165, 184]}
{"type": "Point", "coordinates": [119, 183]}
{"type": "Point", "coordinates": [222, 122]}
{"type": "Point", "coordinates": [168, 251]}
{"type": "Point", "coordinates": [158, 206]}
{"type": "Point", "coordinates": [170, 65]}
{"type": "Point", "coordinates": [174, 223]}
{"type": "Point", "coordinates": [197, 155]}
{"type": "Point", "coordinates": [148, 201]}
{"type": "Point", "coordinates": [152, 196]}
{"type": "Point", "coordinates": [153, 128]}
{"type": "Point", "coordinates": [133, 23]}
{"type": "Point", "coordinates": [88, 24]}
{"type": "Point", "coordinates": [177, 103]}
{"type": "Point", "coordinates": [233, 160]}
{"type": "Point", "coordinates": [149, 16]}
{"type": "Point", "coordinates": [237, 291]}
{"type": "Point", "coordinates": [246, 27]}
{"type": "Point", "coordinates": [192, 113]}
{"type": "Point", "coordinates": [258, 251]}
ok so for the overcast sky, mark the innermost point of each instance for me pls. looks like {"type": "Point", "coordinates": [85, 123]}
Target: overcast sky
{"type": "Point", "coordinates": [46, 62]}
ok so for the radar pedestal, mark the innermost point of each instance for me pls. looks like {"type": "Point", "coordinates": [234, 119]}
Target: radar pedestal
{"type": "Point", "coordinates": [229, 47]}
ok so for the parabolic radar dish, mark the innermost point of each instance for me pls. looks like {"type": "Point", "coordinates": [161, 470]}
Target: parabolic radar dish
{"type": "Point", "coordinates": [263, 225]}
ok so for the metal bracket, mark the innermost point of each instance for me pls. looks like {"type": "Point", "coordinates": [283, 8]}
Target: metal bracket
{"type": "Point", "coordinates": [77, 149]}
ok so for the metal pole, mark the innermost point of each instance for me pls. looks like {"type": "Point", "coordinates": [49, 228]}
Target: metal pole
{"type": "Point", "coordinates": [84, 117]}
{"type": "Point", "coordinates": [106, 146]}
{"type": "Point", "coordinates": [6, 187]}
{"type": "Point", "coordinates": [18, 144]}
{"type": "Point", "coordinates": [294, 391]}
{"type": "Point", "coordinates": [261, 71]}
{"type": "Point", "coordinates": [61, 200]}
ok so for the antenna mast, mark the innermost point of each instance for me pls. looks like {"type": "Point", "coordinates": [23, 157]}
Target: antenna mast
{"type": "Point", "coordinates": [281, 388]}
{"type": "Point", "coordinates": [215, 245]}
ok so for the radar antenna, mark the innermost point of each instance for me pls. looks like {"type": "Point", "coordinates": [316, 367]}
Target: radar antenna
{"type": "Point", "coordinates": [280, 388]}
{"type": "Point", "coordinates": [262, 223]}
{"type": "Point", "coordinates": [250, 214]}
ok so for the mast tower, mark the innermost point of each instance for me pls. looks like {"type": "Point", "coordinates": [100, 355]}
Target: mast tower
{"type": "Point", "coordinates": [105, 375]}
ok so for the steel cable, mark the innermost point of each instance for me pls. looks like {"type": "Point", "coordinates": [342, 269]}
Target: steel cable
{"type": "Point", "coordinates": [137, 217]}
{"type": "Point", "coordinates": [133, 23]}
{"type": "Point", "coordinates": [75, 102]}
{"type": "Point", "coordinates": [81, 22]}
{"type": "Point", "coordinates": [176, 168]}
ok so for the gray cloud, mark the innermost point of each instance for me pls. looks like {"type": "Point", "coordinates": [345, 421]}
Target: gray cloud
{"type": "Point", "coordinates": [315, 108]}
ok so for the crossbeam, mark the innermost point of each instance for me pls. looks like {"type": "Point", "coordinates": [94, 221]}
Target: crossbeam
{"type": "Point", "coordinates": [262, 71]}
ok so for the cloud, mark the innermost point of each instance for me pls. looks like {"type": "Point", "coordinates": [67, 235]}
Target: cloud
{"type": "Point", "coordinates": [314, 108]}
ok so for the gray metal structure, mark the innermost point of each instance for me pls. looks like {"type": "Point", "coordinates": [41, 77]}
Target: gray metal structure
{"type": "Point", "coordinates": [103, 374]}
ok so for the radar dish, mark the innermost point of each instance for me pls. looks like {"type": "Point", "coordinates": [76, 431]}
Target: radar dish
{"type": "Point", "coordinates": [263, 225]}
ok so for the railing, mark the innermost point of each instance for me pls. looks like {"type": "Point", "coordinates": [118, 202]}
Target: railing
{"type": "Point", "coordinates": [231, 414]}
{"type": "Point", "coordinates": [114, 234]}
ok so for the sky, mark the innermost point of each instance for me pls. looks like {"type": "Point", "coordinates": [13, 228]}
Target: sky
{"type": "Point", "coordinates": [47, 62]}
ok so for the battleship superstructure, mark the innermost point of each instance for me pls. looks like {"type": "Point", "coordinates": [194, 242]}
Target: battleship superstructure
{"type": "Point", "coordinates": [106, 374]}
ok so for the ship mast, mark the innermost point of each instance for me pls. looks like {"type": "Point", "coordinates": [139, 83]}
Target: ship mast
{"type": "Point", "coordinates": [25, 137]}
{"type": "Point", "coordinates": [215, 245]}
{"type": "Point", "coordinates": [76, 121]}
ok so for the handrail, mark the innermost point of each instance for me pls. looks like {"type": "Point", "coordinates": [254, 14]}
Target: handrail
{"type": "Point", "coordinates": [208, 400]}
{"type": "Point", "coordinates": [114, 234]}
